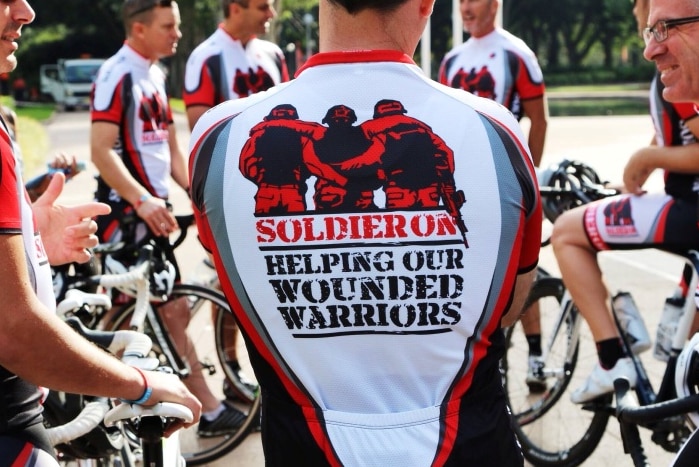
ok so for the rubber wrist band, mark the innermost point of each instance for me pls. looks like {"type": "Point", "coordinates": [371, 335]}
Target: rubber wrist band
{"type": "Point", "coordinates": [142, 200]}
{"type": "Point", "coordinates": [146, 393]}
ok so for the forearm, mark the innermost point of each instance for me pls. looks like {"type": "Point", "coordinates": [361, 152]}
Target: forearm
{"type": "Point", "coordinates": [43, 350]}
{"type": "Point", "coordinates": [537, 112]}
{"type": "Point", "coordinates": [179, 171]}
{"type": "Point", "coordinates": [537, 138]}
{"type": "Point", "coordinates": [522, 287]}
{"type": "Point", "coordinates": [115, 174]}
{"type": "Point", "coordinates": [178, 163]}
{"type": "Point", "coordinates": [680, 159]}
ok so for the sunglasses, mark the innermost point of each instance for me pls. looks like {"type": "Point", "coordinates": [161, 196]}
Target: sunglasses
{"type": "Point", "coordinates": [149, 5]}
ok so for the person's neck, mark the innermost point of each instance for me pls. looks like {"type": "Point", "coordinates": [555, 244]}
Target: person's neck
{"type": "Point", "coordinates": [365, 31]}
{"type": "Point", "coordinates": [236, 34]}
{"type": "Point", "coordinates": [484, 33]}
{"type": "Point", "coordinates": [141, 50]}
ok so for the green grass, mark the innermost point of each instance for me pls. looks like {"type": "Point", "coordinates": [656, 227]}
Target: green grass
{"type": "Point", "coordinates": [31, 134]}
{"type": "Point", "coordinates": [177, 105]}
{"type": "Point", "coordinates": [39, 112]}
{"type": "Point", "coordinates": [586, 107]}
{"type": "Point", "coordinates": [600, 87]}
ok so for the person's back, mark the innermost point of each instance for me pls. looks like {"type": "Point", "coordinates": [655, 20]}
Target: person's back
{"type": "Point", "coordinates": [376, 336]}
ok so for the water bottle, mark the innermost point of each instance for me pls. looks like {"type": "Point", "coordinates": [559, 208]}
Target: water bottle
{"type": "Point", "coordinates": [672, 312]}
{"type": "Point", "coordinates": [631, 322]}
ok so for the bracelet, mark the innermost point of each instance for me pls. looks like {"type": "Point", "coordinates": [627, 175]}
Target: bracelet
{"type": "Point", "coordinates": [141, 200]}
{"type": "Point", "coordinates": [146, 394]}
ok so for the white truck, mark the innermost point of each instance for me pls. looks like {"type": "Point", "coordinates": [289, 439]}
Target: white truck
{"type": "Point", "coordinates": [68, 82]}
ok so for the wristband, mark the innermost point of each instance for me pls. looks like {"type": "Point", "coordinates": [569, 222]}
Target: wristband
{"type": "Point", "coordinates": [142, 200]}
{"type": "Point", "coordinates": [146, 393]}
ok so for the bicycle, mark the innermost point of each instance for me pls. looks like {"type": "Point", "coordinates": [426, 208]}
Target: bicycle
{"type": "Point", "coordinates": [631, 415]}
{"type": "Point", "coordinates": [539, 417]}
{"type": "Point", "coordinates": [142, 289]}
{"type": "Point", "coordinates": [91, 437]}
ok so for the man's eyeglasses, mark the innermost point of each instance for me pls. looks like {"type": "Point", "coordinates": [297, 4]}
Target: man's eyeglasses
{"type": "Point", "coordinates": [660, 29]}
{"type": "Point", "coordinates": [147, 5]}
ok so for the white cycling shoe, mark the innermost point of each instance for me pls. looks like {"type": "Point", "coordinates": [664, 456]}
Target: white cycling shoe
{"type": "Point", "coordinates": [601, 381]}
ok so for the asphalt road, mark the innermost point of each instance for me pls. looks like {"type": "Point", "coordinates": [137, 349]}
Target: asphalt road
{"type": "Point", "coordinates": [605, 143]}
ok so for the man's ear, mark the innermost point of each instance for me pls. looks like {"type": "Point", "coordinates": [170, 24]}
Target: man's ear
{"type": "Point", "coordinates": [426, 7]}
{"type": "Point", "coordinates": [137, 29]}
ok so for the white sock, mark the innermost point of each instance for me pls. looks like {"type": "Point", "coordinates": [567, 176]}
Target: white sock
{"type": "Point", "coordinates": [212, 414]}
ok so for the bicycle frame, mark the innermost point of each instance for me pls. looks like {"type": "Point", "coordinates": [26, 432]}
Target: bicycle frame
{"type": "Point", "coordinates": [644, 390]}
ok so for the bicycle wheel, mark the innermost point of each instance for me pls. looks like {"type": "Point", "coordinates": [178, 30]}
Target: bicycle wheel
{"type": "Point", "coordinates": [207, 306]}
{"type": "Point", "coordinates": [551, 429]}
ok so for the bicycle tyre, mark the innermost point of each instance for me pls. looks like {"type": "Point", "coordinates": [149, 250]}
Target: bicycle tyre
{"type": "Point", "coordinates": [202, 331]}
{"type": "Point", "coordinates": [525, 405]}
{"type": "Point", "coordinates": [539, 418]}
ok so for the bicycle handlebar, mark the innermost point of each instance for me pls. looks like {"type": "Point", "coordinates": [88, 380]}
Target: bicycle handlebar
{"type": "Point", "coordinates": [76, 298]}
{"type": "Point", "coordinates": [134, 345]}
{"type": "Point", "coordinates": [629, 411]}
{"type": "Point", "coordinates": [87, 420]}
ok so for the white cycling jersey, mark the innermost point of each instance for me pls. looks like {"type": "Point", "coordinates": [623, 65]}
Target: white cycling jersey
{"type": "Point", "coordinates": [497, 66]}
{"type": "Point", "coordinates": [222, 68]}
{"type": "Point", "coordinates": [374, 326]}
{"type": "Point", "coordinates": [130, 91]}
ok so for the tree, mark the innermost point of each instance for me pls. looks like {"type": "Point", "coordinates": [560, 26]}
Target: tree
{"type": "Point", "coordinates": [562, 32]}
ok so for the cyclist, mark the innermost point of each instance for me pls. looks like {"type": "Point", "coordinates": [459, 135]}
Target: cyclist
{"type": "Point", "coordinates": [677, 50]}
{"type": "Point", "coordinates": [232, 63]}
{"type": "Point", "coordinates": [508, 73]}
{"type": "Point", "coordinates": [634, 220]}
{"type": "Point", "coordinates": [376, 335]}
{"type": "Point", "coordinates": [134, 147]}
{"type": "Point", "coordinates": [36, 347]}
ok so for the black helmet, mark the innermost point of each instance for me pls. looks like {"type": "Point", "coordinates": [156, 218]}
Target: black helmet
{"type": "Point", "coordinates": [567, 185]}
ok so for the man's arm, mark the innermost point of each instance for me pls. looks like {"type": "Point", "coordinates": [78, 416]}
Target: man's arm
{"type": "Point", "coordinates": [109, 165]}
{"type": "Point", "coordinates": [193, 114]}
{"type": "Point", "coordinates": [681, 159]}
{"type": "Point", "coordinates": [537, 112]}
{"type": "Point", "coordinates": [178, 167]}
{"type": "Point", "coordinates": [523, 285]}
{"type": "Point", "coordinates": [113, 171]}
{"type": "Point", "coordinates": [41, 349]}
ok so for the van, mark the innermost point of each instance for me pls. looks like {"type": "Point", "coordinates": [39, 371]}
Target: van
{"type": "Point", "coordinates": [69, 81]}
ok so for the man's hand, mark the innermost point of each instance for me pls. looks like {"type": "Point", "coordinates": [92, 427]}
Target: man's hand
{"type": "Point", "coordinates": [637, 171]}
{"type": "Point", "coordinates": [155, 212]}
{"type": "Point", "coordinates": [66, 232]}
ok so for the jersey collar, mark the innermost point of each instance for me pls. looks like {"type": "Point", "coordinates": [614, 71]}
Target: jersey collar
{"type": "Point", "coordinates": [355, 56]}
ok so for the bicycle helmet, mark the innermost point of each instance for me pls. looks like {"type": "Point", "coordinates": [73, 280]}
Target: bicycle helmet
{"type": "Point", "coordinates": [567, 185]}
{"type": "Point", "coordinates": [687, 374]}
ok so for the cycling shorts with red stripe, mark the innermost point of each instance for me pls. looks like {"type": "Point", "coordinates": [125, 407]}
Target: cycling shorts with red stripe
{"type": "Point", "coordinates": [29, 448]}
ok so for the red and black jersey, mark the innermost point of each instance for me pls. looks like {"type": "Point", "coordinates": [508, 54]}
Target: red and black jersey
{"type": "Point", "coordinates": [19, 400]}
{"type": "Point", "coordinates": [373, 327]}
{"type": "Point", "coordinates": [222, 68]}
{"type": "Point", "coordinates": [498, 66]}
{"type": "Point", "coordinates": [130, 92]}
{"type": "Point", "coordinates": [669, 120]}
